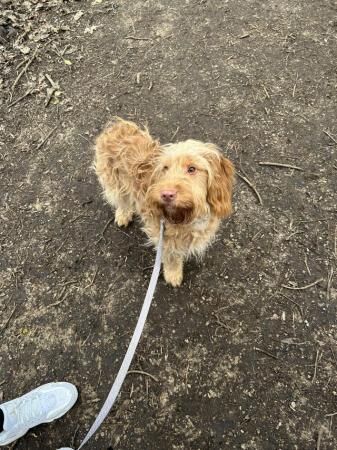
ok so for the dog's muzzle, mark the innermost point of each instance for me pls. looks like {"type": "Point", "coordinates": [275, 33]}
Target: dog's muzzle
{"type": "Point", "coordinates": [177, 215]}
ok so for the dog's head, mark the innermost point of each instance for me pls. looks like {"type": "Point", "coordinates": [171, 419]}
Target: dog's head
{"type": "Point", "coordinates": [190, 179]}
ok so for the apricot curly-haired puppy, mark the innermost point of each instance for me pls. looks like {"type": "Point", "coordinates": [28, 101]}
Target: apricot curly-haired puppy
{"type": "Point", "coordinates": [188, 184]}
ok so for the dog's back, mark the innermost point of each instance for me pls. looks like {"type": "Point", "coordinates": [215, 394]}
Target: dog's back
{"type": "Point", "coordinates": [124, 154]}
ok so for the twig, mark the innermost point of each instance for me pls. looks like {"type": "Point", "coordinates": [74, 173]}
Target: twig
{"type": "Point", "coordinates": [24, 69]}
{"type": "Point", "coordinates": [86, 339]}
{"type": "Point", "coordinates": [83, 137]}
{"type": "Point", "coordinates": [319, 438]}
{"type": "Point", "coordinates": [265, 90]}
{"type": "Point", "coordinates": [331, 137]}
{"type": "Point", "coordinates": [276, 164]}
{"type": "Point", "coordinates": [333, 355]}
{"type": "Point", "coordinates": [51, 91]}
{"type": "Point", "coordinates": [51, 81]}
{"type": "Point", "coordinates": [74, 436]}
{"type": "Point", "coordinates": [104, 230]}
{"type": "Point", "coordinates": [20, 98]}
{"type": "Point", "coordinates": [57, 303]}
{"type": "Point", "coordinates": [222, 324]}
{"type": "Point", "coordinates": [335, 251]}
{"type": "Point", "coordinates": [328, 287]}
{"type": "Point", "coordinates": [315, 370]}
{"type": "Point", "coordinates": [111, 285]}
{"type": "Point", "coordinates": [99, 378]}
{"type": "Point", "coordinates": [175, 134]}
{"type": "Point", "coordinates": [331, 414]}
{"type": "Point", "coordinates": [47, 137]}
{"type": "Point", "coordinates": [295, 303]}
{"type": "Point", "coordinates": [135, 38]}
{"type": "Point", "coordinates": [250, 184]}
{"type": "Point", "coordinates": [141, 372]}
{"type": "Point", "coordinates": [62, 244]}
{"type": "Point", "coordinates": [306, 264]}
{"type": "Point", "coordinates": [77, 217]}
{"type": "Point", "coordinates": [294, 89]}
{"type": "Point", "coordinates": [302, 287]}
{"type": "Point", "coordinates": [66, 283]}
{"type": "Point", "coordinates": [8, 320]}
{"type": "Point", "coordinates": [93, 279]}
{"type": "Point", "coordinates": [265, 352]}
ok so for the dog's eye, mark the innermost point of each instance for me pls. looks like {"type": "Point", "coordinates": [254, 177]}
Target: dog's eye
{"type": "Point", "coordinates": [165, 168]}
{"type": "Point", "coordinates": [191, 169]}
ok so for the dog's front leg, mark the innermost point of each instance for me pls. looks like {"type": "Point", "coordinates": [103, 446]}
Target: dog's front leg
{"type": "Point", "coordinates": [124, 212]}
{"type": "Point", "coordinates": [173, 268]}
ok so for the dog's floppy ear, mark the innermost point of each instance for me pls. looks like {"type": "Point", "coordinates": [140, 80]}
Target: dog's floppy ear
{"type": "Point", "coordinates": [220, 184]}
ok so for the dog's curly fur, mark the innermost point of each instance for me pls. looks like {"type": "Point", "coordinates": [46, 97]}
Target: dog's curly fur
{"type": "Point", "coordinates": [189, 184]}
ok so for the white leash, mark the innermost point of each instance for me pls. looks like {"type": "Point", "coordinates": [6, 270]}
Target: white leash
{"type": "Point", "coordinates": [132, 346]}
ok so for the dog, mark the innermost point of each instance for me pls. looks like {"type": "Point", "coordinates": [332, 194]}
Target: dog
{"type": "Point", "coordinates": [187, 184]}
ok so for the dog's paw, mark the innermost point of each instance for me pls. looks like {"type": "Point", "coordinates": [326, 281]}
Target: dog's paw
{"type": "Point", "coordinates": [173, 277]}
{"type": "Point", "coordinates": [122, 217]}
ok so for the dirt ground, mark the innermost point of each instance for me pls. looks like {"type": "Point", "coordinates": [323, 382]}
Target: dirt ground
{"type": "Point", "coordinates": [244, 354]}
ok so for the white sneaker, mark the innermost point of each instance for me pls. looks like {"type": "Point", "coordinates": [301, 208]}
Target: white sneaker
{"type": "Point", "coordinates": [44, 404]}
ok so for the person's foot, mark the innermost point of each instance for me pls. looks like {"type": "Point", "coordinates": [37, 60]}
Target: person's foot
{"type": "Point", "coordinates": [44, 404]}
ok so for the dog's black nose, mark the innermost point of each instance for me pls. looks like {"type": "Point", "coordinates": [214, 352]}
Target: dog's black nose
{"type": "Point", "coordinates": [168, 195]}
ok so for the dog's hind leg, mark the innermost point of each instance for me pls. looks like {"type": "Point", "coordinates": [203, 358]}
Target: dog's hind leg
{"type": "Point", "coordinates": [123, 206]}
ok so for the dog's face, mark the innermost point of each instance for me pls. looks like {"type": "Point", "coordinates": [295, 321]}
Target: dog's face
{"type": "Point", "coordinates": [190, 179]}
